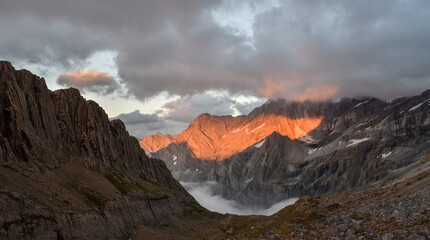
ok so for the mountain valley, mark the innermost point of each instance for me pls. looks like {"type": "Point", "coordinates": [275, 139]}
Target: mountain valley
{"type": "Point", "coordinates": [67, 172]}
{"type": "Point", "coordinates": [290, 149]}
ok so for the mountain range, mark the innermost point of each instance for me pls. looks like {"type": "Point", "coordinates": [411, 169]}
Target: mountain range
{"type": "Point", "coordinates": [286, 149]}
{"type": "Point", "coordinates": [67, 172]}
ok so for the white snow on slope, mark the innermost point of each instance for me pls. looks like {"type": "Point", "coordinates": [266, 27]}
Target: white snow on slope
{"type": "Point", "coordinates": [353, 142]}
{"type": "Point", "coordinates": [307, 139]}
{"type": "Point", "coordinates": [262, 125]}
{"type": "Point", "coordinates": [174, 157]}
{"type": "Point", "coordinates": [310, 151]}
{"type": "Point", "coordinates": [258, 145]}
{"type": "Point", "coordinates": [418, 105]}
{"type": "Point", "coordinates": [240, 129]}
{"type": "Point", "coordinates": [359, 104]}
{"type": "Point", "coordinates": [415, 107]}
{"type": "Point", "coordinates": [384, 155]}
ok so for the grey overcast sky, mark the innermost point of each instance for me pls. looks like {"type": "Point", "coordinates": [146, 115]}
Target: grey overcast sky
{"type": "Point", "coordinates": [160, 63]}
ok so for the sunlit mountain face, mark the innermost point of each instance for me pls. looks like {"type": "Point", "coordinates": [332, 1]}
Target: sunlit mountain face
{"type": "Point", "coordinates": [219, 137]}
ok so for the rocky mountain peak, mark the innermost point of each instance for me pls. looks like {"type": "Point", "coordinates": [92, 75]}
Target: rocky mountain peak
{"type": "Point", "coordinates": [59, 153]}
{"type": "Point", "coordinates": [218, 137]}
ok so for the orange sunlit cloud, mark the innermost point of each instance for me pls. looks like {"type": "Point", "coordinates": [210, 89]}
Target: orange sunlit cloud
{"type": "Point", "coordinates": [321, 93]}
{"type": "Point", "coordinates": [272, 87]}
{"type": "Point", "coordinates": [292, 89]}
{"type": "Point", "coordinates": [89, 80]}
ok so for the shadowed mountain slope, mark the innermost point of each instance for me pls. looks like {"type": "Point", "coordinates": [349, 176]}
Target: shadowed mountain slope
{"type": "Point", "coordinates": [67, 172]}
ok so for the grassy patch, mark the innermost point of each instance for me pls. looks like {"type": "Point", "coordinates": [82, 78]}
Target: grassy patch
{"type": "Point", "coordinates": [93, 198]}
{"type": "Point", "coordinates": [121, 184]}
{"type": "Point", "coordinates": [287, 214]}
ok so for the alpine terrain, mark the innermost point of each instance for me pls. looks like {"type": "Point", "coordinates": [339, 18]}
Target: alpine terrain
{"type": "Point", "coordinates": [67, 172]}
{"type": "Point", "coordinates": [287, 149]}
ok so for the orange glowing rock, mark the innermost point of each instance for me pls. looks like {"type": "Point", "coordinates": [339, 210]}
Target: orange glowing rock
{"type": "Point", "coordinates": [219, 137]}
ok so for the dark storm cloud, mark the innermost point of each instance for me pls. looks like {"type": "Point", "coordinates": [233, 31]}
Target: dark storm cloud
{"type": "Point", "coordinates": [89, 80]}
{"type": "Point", "coordinates": [45, 42]}
{"type": "Point", "coordinates": [298, 49]}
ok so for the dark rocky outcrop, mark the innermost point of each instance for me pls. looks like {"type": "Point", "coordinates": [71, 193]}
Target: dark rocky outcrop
{"type": "Point", "coordinates": [67, 172]}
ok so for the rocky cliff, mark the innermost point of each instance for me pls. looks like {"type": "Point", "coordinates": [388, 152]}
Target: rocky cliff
{"type": "Point", "coordinates": [219, 137]}
{"type": "Point", "coordinates": [67, 172]}
{"type": "Point", "coordinates": [355, 142]}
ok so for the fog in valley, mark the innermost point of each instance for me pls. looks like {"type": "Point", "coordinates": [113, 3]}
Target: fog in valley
{"type": "Point", "coordinates": [204, 194]}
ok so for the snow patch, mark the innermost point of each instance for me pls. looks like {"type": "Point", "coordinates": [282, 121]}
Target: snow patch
{"type": "Point", "coordinates": [307, 139]}
{"type": "Point", "coordinates": [262, 125]}
{"type": "Point", "coordinates": [174, 163]}
{"type": "Point", "coordinates": [384, 155]}
{"type": "Point", "coordinates": [359, 104]}
{"type": "Point", "coordinates": [258, 145]}
{"type": "Point", "coordinates": [174, 157]}
{"type": "Point", "coordinates": [353, 142]}
{"type": "Point", "coordinates": [415, 107]}
{"type": "Point", "coordinates": [240, 129]}
{"type": "Point", "coordinates": [362, 124]}
{"type": "Point", "coordinates": [418, 105]}
{"type": "Point", "coordinates": [248, 180]}
{"type": "Point", "coordinates": [310, 151]}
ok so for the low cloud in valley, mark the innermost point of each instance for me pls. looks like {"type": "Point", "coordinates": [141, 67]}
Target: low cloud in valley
{"type": "Point", "coordinates": [204, 194]}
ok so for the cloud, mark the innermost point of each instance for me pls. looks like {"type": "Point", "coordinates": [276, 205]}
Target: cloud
{"type": "Point", "coordinates": [36, 40]}
{"type": "Point", "coordinates": [136, 117]}
{"type": "Point", "coordinates": [204, 194]}
{"type": "Point", "coordinates": [187, 108]}
{"type": "Point", "coordinates": [89, 80]}
{"type": "Point", "coordinates": [141, 125]}
{"type": "Point", "coordinates": [185, 48]}
{"type": "Point", "coordinates": [321, 93]}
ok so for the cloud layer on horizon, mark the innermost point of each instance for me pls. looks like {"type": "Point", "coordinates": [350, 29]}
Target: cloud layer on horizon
{"type": "Point", "coordinates": [292, 49]}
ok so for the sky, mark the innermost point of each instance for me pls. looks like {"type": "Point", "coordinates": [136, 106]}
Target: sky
{"type": "Point", "coordinates": [157, 64]}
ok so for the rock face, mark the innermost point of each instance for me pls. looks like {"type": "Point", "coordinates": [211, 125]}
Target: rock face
{"type": "Point", "coordinates": [219, 137]}
{"type": "Point", "coordinates": [67, 172]}
{"type": "Point", "coordinates": [353, 142]}
{"type": "Point", "coordinates": [394, 209]}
